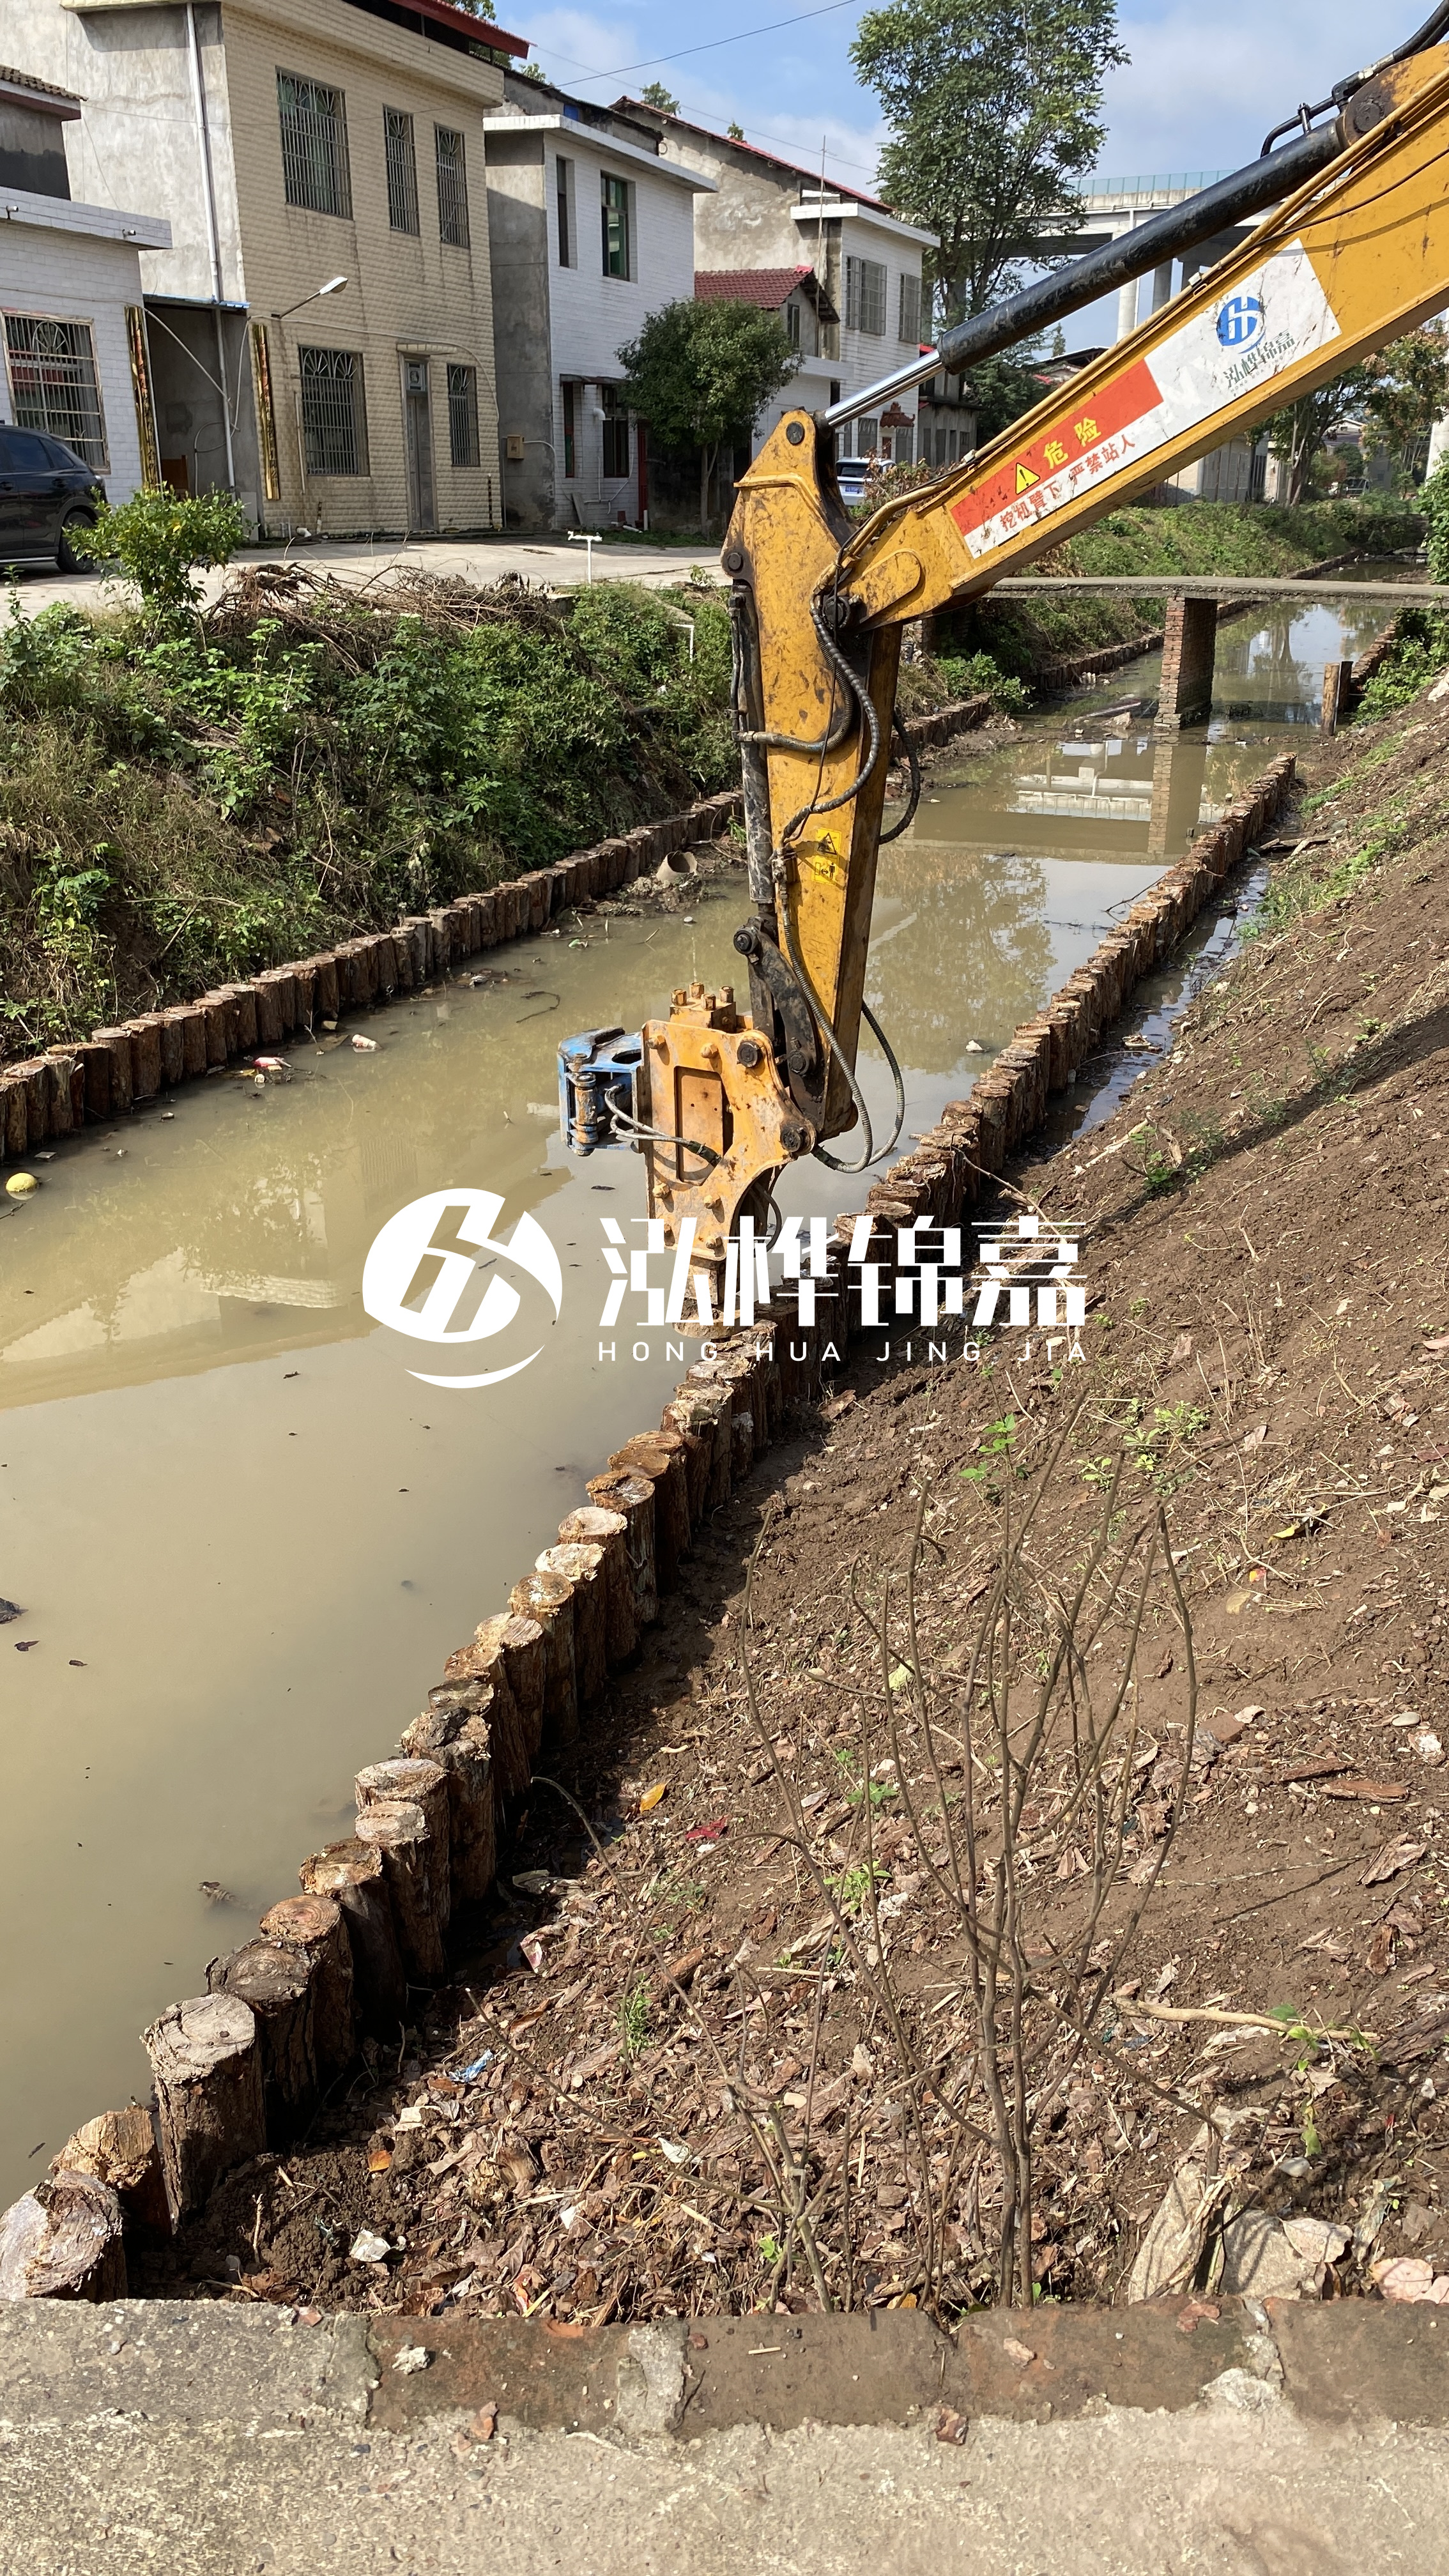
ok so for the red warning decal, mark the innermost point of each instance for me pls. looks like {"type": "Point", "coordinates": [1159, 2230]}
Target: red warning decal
{"type": "Point", "coordinates": [1097, 418]}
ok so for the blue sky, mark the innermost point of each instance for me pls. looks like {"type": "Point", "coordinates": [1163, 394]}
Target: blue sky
{"type": "Point", "coordinates": [1202, 88]}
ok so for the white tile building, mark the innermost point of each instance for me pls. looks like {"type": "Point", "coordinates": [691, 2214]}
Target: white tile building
{"type": "Point", "coordinates": [73, 357]}
{"type": "Point", "coordinates": [591, 231]}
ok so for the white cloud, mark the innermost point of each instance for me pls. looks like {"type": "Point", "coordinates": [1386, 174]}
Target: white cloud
{"type": "Point", "coordinates": [1201, 92]}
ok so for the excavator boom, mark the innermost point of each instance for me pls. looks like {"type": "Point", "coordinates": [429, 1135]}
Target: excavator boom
{"type": "Point", "coordinates": [720, 1097]}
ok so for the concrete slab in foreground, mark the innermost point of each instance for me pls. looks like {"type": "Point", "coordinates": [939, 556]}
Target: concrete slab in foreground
{"type": "Point", "coordinates": [215, 2441]}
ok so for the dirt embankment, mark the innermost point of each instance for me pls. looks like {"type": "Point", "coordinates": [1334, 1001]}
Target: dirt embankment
{"type": "Point", "coordinates": [727, 2047]}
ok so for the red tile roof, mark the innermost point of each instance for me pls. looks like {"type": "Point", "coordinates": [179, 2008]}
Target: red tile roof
{"type": "Point", "coordinates": [767, 287]}
{"type": "Point", "coordinates": [479, 31]}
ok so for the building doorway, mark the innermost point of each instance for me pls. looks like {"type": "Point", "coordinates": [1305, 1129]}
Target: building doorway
{"type": "Point", "coordinates": [419, 424]}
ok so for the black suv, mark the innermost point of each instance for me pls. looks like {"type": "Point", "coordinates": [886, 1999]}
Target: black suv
{"type": "Point", "coordinates": [46, 490]}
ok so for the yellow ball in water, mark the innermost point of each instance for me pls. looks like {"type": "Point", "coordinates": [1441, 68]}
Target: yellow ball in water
{"type": "Point", "coordinates": [21, 1184]}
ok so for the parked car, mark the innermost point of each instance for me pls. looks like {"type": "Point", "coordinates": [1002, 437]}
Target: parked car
{"type": "Point", "coordinates": [47, 492]}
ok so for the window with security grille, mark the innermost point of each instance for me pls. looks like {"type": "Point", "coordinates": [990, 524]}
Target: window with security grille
{"type": "Point", "coordinates": [909, 328]}
{"type": "Point", "coordinates": [463, 415]}
{"type": "Point", "coordinates": [865, 296]}
{"type": "Point", "coordinates": [334, 425]}
{"type": "Point", "coordinates": [53, 383]}
{"type": "Point", "coordinates": [616, 433]}
{"type": "Point", "coordinates": [568, 256]}
{"type": "Point", "coordinates": [452, 186]}
{"type": "Point", "coordinates": [402, 170]}
{"type": "Point", "coordinates": [617, 226]}
{"type": "Point", "coordinates": [315, 171]}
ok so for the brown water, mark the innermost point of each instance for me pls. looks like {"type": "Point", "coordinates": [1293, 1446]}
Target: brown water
{"type": "Point", "coordinates": [244, 1536]}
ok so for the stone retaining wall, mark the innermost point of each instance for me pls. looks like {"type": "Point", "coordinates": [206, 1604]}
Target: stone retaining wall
{"type": "Point", "coordinates": [242, 2066]}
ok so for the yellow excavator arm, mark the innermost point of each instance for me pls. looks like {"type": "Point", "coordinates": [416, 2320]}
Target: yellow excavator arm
{"type": "Point", "coordinates": [720, 1096]}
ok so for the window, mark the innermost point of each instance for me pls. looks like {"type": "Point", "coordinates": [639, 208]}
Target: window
{"type": "Point", "coordinates": [618, 260]}
{"type": "Point", "coordinates": [909, 328]}
{"type": "Point", "coordinates": [452, 186]}
{"type": "Point", "coordinates": [315, 170]}
{"type": "Point", "coordinates": [463, 415]}
{"type": "Point", "coordinates": [402, 170]}
{"type": "Point", "coordinates": [568, 256]}
{"type": "Point", "coordinates": [792, 322]}
{"type": "Point", "coordinates": [867, 437]}
{"type": "Point", "coordinates": [334, 427]}
{"type": "Point", "coordinates": [570, 395]}
{"type": "Point", "coordinates": [865, 293]}
{"type": "Point", "coordinates": [53, 383]}
{"type": "Point", "coordinates": [616, 434]}
{"type": "Point", "coordinates": [904, 447]}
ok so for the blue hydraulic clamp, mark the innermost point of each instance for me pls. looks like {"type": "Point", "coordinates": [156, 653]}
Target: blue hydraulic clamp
{"type": "Point", "coordinates": [598, 1093]}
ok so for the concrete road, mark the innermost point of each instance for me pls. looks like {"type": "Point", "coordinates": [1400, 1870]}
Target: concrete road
{"type": "Point", "coordinates": [552, 561]}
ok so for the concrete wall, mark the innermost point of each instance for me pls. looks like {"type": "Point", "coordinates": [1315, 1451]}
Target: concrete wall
{"type": "Point", "coordinates": [519, 248]}
{"type": "Point", "coordinates": [73, 277]}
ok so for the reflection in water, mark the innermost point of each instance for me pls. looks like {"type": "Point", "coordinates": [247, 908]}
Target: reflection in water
{"type": "Point", "coordinates": [243, 1534]}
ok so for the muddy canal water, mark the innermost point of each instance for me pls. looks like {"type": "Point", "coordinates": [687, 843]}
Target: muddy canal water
{"type": "Point", "coordinates": [244, 1536]}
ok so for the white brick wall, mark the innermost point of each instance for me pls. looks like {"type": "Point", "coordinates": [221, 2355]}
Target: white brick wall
{"type": "Point", "coordinates": [594, 315]}
{"type": "Point", "coordinates": [73, 279]}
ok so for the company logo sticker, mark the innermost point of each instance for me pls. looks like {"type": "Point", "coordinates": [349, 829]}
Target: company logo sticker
{"type": "Point", "coordinates": [438, 1273]}
{"type": "Point", "coordinates": [1239, 321]}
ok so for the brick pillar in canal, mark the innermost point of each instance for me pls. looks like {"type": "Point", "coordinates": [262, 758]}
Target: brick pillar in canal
{"type": "Point", "coordinates": [1189, 650]}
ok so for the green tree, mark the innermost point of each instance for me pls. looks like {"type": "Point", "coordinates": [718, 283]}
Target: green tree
{"type": "Point", "coordinates": [656, 95]}
{"type": "Point", "coordinates": [1400, 392]}
{"type": "Point", "coordinates": [159, 538]}
{"type": "Point", "coordinates": [994, 110]}
{"type": "Point", "coordinates": [700, 373]}
{"type": "Point", "coordinates": [1408, 391]}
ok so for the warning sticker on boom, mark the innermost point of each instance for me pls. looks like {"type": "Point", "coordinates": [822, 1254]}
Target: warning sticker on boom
{"type": "Point", "coordinates": [1272, 320]}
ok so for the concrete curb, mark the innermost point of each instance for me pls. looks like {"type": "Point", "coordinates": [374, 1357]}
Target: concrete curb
{"type": "Point", "coordinates": [1351, 2364]}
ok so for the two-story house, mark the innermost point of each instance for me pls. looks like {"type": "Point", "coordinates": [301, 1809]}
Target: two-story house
{"type": "Point", "coordinates": [321, 338]}
{"type": "Point", "coordinates": [591, 230]}
{"type": "Point", "coordinates": [854, 307]}
{"type": "Point", "coordinates": [74, 364]}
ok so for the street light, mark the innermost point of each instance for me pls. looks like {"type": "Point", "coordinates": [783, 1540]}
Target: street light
{"type": "Point", "coordinates": [331, 288]}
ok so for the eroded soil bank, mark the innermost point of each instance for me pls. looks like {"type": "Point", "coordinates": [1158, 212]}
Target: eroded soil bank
{"type": "Point", "coordinates": [723, 2048]}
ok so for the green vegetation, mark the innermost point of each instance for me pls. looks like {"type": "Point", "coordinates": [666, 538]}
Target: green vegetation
{"type": "Point", "coordinates": [701, 373]}
{"type": "Point", "coordinates": [1420, 652]}
{"type": "Point", "coordinates": [993, 115]}
{"type": "Point", "coordinates": [160, 539]}
{"type": "Point", "coordinates": [185, 799]}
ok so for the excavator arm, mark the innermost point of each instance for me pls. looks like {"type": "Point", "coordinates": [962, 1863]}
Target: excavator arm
{"type": "Point", "coordinates": [720, 1096]}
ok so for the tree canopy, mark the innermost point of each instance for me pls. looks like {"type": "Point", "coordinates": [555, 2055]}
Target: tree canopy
{"type": "Point", "coordinates": [701, 372]}
{"type": "Point", "coordinates": [994, 110]}
{"type": "Point", "coordinates": [1398, 393]}
{"type": "Point", "coordinates": [656, 95]}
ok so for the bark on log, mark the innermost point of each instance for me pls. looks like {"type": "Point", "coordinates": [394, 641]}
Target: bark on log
{"type": "Point", "coordinates": [314, 1925]}
{"type": "Point", "coordinates": [660, 1455]}
{"type": "Point", "coordinates": [468, 1762]}
{"type": "Point", "coordinates": [706, 1407]}
{"type": "Point", "coordinates": [278, 1986]}
{"type": "Point", "coordinates": [63, 2241]}
{"type": "Point", "coordinates": [410, 1860]}
{"type": "Point", "coordinates": [352, 1872]}
{"type": "Point", "coordinates": [521, 1644]}
{"type": "Point", "coordinates": [548, 1599]}
{"type": "Point", "coordinates": [120, 2149]}
{"type": "Point", "coordinates": [415, 1784]}
{"type": "Point", "coordinates": [206, 2059]}
{"type": "Point", "coordinates": [624, 1490]}
{"type": "Point", "coordinates": [584, 1569]}
{"type": "Point", "coordinates": [591, 1527]}
{"type": "Point", "coordinates": [696, 1448]}
{"type": "Point", "coordinates": [484, 1664]}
